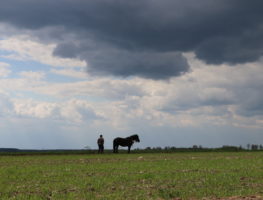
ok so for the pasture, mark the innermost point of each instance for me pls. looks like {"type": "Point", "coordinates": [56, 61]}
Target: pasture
{"type": "Point", "coordinates": [133, 176]}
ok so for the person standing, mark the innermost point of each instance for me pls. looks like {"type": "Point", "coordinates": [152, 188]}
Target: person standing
{"type": "Point", "coordinates": [100, 143]}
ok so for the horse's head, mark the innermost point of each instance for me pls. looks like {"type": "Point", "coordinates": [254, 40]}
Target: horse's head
{"type": "Point", "coordinates": [136, 138]}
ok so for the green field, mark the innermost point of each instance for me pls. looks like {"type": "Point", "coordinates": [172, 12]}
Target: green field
{"type": "Point", "coordinates": [132, 176]}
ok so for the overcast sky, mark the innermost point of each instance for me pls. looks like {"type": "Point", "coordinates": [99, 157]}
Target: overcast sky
{"type": "Point", "coordinates": [175, 72]}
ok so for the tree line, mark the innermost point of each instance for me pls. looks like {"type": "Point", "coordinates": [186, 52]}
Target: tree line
{"type": "Point", "coordinates": [168, 149]}
{"type": "Point", "coordinates": [200, 148]}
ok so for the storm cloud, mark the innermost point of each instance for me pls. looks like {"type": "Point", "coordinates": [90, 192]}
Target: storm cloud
{"type": "Point", "coordinates": [144, 38]}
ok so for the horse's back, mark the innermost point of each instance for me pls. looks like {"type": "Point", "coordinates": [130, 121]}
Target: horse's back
{"type": "Point", "coordinates": [122, 142]}
{"type": "Point", "coordinates": [116, 139]}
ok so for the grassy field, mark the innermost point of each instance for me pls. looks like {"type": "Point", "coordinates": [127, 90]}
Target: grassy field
{"type": "Point", "coordinates": [134, 176]}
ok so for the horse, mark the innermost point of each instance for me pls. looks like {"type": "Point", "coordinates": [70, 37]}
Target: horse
{"type": "Point", "coordinates": [124, 142]}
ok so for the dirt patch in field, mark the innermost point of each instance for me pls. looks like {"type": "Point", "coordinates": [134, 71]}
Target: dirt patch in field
{"type": "Point", "coordinates": [252, 197]}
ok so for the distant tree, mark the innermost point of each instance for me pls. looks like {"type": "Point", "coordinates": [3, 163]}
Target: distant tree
{"type": "Point", "coordinates": [148, 148]}
{"type": "Point", "coordinates": [167, 148]}
{"type": "Point", "coordinates": [173, 148]}
{"type": "Point", "coordinates": [230, 148]}
{"type": "Point", "coordinates": [254, 147]}
{"type": "Point", "coordinates": [261, 147]}
{"type": "Point", "coordinates": [87, 147]}
{"type": "Point", "coordinates": [158, 148]}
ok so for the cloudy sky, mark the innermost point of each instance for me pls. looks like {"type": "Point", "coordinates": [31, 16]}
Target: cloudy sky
{"type": "Point", "coordinates": [176, 72]}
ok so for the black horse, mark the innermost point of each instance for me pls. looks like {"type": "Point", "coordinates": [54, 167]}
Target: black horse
{"type": "Point", "coordinates": [124, 142]}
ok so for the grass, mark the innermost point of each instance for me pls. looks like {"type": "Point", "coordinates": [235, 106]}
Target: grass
{"type": "Point", "coordinates": [133, 176]}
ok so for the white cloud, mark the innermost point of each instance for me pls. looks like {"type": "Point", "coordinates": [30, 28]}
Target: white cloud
{"type": "Point", "coordinates": [4, 69]}
{"type": "Point", "coordinates": [32, 75]}
{"type": "Point", "coordinates": [31, 108]}
{"type": "Point", "coordinates": [23, 48]}
{"type": "Point", "coordinates": [6, 106]}
{"type": "Point", "coordinates": [202, 96]}
{"type": "Point", "coordinates": [70, 73]}
{"type": "Point", "coordinates": [207, 95]}
{"type": "Point", "coordinates": [71, 111]}
{"type": "Point", "coordinates": [79, 111]}
{"type": "Point", "coordinates": [103, 88]}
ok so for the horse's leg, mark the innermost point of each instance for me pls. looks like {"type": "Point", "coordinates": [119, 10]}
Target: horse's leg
{"type": "Point", "coordinates": [115, 149]}
{"type": "Point", "coordinates": [117, 146]}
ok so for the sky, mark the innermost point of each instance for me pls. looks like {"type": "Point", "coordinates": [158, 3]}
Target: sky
{"type": "Point", "coordinates": [175, 72]}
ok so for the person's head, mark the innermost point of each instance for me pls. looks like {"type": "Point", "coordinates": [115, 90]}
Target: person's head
{"type": "Point", "coordinates": [100, 135]}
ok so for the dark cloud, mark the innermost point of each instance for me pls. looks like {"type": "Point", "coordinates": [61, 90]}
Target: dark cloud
{"type": "Point", "coordinates": [145, 64]}
{"type": "Point", "coordinates": [120, 62]}
{"type": "Point", "coordinates": [138, 36]}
